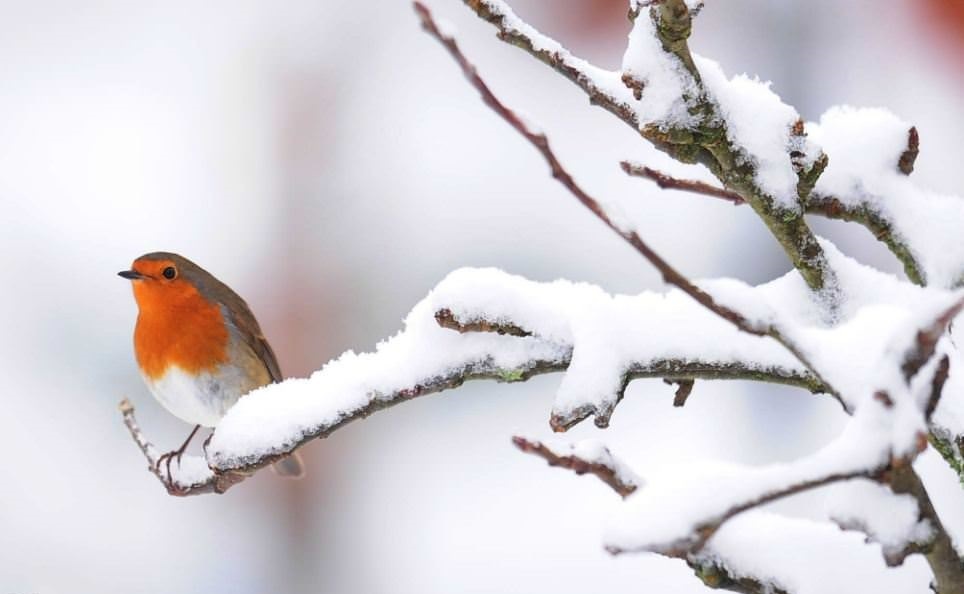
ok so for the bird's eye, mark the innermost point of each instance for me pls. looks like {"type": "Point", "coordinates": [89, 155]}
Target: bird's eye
{"type": "Point", "coordinates": [169, 273]}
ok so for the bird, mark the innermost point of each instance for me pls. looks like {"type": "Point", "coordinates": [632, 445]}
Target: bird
{"type": "Point", "coordinates": [198, 346]}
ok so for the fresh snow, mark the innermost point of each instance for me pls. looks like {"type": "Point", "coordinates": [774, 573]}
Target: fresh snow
{"type": "Point", "coordinates": [864, 146]}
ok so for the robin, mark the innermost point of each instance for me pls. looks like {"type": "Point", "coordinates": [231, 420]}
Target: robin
{"type": "Point", "coordinates": [198, 346]}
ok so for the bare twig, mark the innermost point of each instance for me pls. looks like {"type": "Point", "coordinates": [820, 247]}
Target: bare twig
{"type": "Point", "coordinates": [606, 468]}
{"type": "Point", "coordinates": [668, 182]}
{"type": "Point", "coordinates": [925, 342]}
{"type": "Point", "coordinates": [541, 143]}
{"type": "Point", "coordinates": [937, 386]}
{"type": "Point", "coordinates": [203, 482]}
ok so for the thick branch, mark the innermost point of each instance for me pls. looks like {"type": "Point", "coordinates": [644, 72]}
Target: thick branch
{"type": "Point", "coordinates": [942, 557]}
{"type": "Point", "coordinates": [223, 476]}
{"type": "Point", "coordinates": [447, 319]}
{"type": "Point", "coordinates": [603, 465]}
{"type": "Point", "coordinates": [673, 27]}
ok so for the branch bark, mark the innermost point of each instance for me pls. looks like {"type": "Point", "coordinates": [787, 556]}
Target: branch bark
{"type": "Point", "coordinates": [668, 182]}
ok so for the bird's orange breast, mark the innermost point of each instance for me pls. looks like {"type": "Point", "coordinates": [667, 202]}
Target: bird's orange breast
{"type": "Point", "coordinates": [176, 326]}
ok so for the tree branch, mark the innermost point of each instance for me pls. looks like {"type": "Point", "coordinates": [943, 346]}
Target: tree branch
{"type": "Point", "coordinates": [941, 555]}
{"type": "Point", "coordinates": [693, 543]}
{"type": "Point", "coordinates": [600, 463]}
{"type": "Point", "coordinates": [869, 216]}
{"type": "Point", "coordinates": [189, 476]}
{"type": "Point", "coordinates": [541, 143]}
{"type": "Point", "coordinates": [925, 340]}
{"type": "Point", "coordinates": [514, 31]}
{"type": "Point", "coordinates": [937, 387]}
{"type": "Point", "coordinates": [668, 182]}
{"type": "Point", "coordinates": [705, 143]}
{"type": "Point", "coordinates": [193, 476]}
{"type": "Point", "coordinates": [865, 214]}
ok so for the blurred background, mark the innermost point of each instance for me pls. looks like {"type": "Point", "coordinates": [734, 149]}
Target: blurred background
{"type": "Point", "coordinates": [327, 160]}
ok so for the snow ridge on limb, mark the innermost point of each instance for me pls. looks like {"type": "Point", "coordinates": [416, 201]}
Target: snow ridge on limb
{"type": "Point", "coordinates": [487, 324]}
{"type": "Point", "coordinates": [872, 154]}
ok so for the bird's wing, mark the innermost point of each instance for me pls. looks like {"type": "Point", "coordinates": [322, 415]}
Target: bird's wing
{"type": "Point", "coordinates": [239, 315]}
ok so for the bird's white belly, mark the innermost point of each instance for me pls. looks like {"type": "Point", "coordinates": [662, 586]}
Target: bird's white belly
{"type": "Point", "coordinates": [200, 399]}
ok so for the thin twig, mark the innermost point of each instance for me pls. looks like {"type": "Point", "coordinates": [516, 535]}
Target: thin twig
{"type": "Point", "coordinates": [208, 484]}
{"type": "Point", "coordinates": [830, 207]}
{"type": "Point", "coordinates": [607, 468]}
{"type": "Point", "coordinates": [668, 182]}
{"type": "Point", "coordinates": [937, 386]}
{"type": "Point", "coordinates": [925, 341]}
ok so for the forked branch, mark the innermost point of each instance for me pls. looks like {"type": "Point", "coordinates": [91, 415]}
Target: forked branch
{"type": "Point", "coordinates": [541, 143]}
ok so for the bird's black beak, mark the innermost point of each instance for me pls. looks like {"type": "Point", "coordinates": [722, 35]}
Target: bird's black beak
{"type": "Point", "coordinates": [131, 274]}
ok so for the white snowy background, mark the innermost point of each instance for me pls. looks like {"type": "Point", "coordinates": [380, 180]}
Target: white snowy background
{"type": "Point", "coordinates": [328, 161]}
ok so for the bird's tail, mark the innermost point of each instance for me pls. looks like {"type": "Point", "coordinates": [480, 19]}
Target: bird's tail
{"type": "Point", "coordinates": [290, 467]}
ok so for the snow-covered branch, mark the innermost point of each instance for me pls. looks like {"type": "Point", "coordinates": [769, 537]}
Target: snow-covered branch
{"type": "Point", "coordinates": [686, 107]}
{"type": "Point", "coordinates": [585, 457]}
{"type": "Point", "coordinates": [486, 324]}
{"type": "Point", "coordinates": [764, 325]}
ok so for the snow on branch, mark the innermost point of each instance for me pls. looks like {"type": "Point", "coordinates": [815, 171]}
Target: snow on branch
{"type": "Point", "coordinates": [759, 326]}
{"type": "Point", "coordinates": [685, 106]}
{"type": "Point", "coordinates": [893, 521]}
{"type": "Point", "coordinates": [585, 457]}
{"type": "Point", "coordinates": [867, 181]}
{"type": "Point", "coordinates": [825, 206]}
{"type": "Point", "coordinates": [486, 324]}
